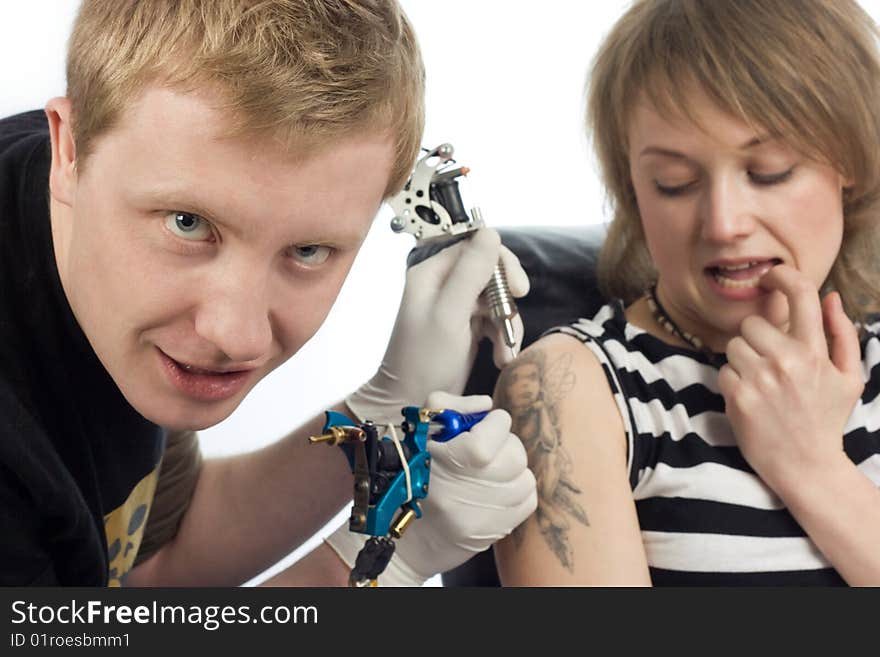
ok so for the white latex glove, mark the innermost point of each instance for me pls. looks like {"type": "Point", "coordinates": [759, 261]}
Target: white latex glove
{"type": "Point", "coordinates": [480, 490]}
{"type": "Point", "coordinates": [439, 326]}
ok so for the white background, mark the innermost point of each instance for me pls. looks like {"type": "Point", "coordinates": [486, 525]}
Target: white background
{"type": "Point", "coordinates": [505, 87]}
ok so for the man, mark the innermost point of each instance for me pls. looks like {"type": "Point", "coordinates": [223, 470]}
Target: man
{"type": "Point", "coordinates": [174, 229]}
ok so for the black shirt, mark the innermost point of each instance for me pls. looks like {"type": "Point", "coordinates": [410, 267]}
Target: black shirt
{"type": "Point", "coordinates": [78, 464]}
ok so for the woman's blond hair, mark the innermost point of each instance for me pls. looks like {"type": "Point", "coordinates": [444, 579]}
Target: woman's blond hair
{"type": "Point", "coordinates": [305, 72]}
{"type": "Point", "coordinates": [805, 71]}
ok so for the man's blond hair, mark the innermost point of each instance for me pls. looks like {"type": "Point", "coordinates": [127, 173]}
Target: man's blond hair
{"type": "Point", "coordinates": [805, 71]}
{"type": "Point", "coordinates": [302, 72]}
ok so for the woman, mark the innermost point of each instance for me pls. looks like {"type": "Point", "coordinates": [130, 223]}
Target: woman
{"type": "Point", "coordinates": [718, 423]}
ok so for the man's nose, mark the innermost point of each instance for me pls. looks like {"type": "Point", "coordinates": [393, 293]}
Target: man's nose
{"type": "Point", "coordinates": [726, 210]}
{"type": "Point", "coordinates": [235, 318]}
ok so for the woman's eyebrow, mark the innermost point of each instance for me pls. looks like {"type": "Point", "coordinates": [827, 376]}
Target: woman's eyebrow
{"type": "Point", "coordinates": [665, 152]}
{"type": "Point", "coordinates": [668, 152]}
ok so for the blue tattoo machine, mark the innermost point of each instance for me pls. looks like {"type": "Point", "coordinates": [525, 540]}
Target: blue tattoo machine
{"type": "Point", "coordinates": [391, 474]}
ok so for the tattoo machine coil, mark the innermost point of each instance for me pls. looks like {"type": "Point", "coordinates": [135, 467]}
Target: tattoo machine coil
{"type": "Point", "coordinates": [430, 207]}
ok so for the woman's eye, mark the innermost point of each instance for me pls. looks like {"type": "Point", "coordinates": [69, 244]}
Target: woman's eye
{"type": "Point", "coordinates": [674, 190]}
{"type": "Point", "coordinates": [311, 254]}
{"type": "Point", "coordinates": [188, 226]}
{"type": "Point", "coordinates": [770, 178]}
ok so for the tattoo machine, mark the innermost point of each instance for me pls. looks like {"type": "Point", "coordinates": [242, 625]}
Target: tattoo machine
{"type": "Point", "coordinates": [430, 207]}
{"type": "Point", "coordinates": [390, 476]}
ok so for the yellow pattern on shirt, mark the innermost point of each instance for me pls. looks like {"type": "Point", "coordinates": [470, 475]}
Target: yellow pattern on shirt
{"type": "Point", "coordinates": [124, 528]}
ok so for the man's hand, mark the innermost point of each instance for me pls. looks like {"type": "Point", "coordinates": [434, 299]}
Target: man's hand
{"type": "Point", "coordinates": [439, 325]}
{"type": "Point", "coordinates": [480, 490]}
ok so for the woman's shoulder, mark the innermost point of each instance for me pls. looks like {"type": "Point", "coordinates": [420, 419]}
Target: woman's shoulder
{"type": "Point", "coordinates": [610, 337]}
{"type": "Point", "coordinates": [581, 356]}
{"type": "Point", "coordinates": [559, 372]}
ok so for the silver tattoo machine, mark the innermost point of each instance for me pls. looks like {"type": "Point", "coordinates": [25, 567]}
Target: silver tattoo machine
{"type": "Point", "coordinates": [430, 207]}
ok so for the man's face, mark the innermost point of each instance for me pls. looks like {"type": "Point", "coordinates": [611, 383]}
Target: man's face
{"type": "Point", "coordinates": [196, 264]}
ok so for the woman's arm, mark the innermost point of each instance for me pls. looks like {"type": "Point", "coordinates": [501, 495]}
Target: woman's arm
{"type": "Point", "coordinates": [789, 394]}
{"type": "Point", "coordinates": [839, 507]}
{"type": "Point", "coordinates": [585, 530]}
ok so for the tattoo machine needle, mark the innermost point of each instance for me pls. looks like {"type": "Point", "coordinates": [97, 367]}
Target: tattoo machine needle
{"type": "Point", "coordinates": [430, 207]}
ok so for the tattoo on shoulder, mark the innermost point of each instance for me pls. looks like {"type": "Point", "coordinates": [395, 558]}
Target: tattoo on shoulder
{"type": "Point", "coordinates": [530, 389]}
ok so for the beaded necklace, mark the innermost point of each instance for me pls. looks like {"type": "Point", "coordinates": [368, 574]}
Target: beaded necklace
{"type": "Point", "coordinates": [663, 319]}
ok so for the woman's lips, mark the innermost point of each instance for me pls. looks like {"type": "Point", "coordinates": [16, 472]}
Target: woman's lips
{"type": "Point", "coordinates": [201, 384]}
{"type": "Point", "coordinates": [739, 282]}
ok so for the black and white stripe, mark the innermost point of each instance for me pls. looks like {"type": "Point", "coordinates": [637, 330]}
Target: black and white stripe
{"type": "Point", "coordinates": [705, 516]}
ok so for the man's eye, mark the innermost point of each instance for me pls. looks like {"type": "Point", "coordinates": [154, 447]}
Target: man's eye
{"type": "Point", "coordinates": [188, 226]}
{"type": "Point", "coordinates": [311, 254]}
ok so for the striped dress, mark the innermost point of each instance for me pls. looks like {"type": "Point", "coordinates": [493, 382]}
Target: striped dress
{"type": "Point", "coordinates": [705, 517]}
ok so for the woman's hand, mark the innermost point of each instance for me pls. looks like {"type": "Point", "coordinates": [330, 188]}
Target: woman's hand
{"type": "Point", "coordinates": [790, 394]}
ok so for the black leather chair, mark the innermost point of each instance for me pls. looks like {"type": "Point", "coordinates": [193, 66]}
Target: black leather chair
{"type": "Point", "coordinates": [561, 263]}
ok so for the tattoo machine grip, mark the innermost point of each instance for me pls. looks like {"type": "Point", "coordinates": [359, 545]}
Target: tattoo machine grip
{"type": "Point", "coordinates": [454, 423]}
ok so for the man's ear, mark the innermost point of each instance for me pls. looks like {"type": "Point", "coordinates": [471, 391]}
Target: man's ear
{"type": "Point", "coordinates": [62, 173]}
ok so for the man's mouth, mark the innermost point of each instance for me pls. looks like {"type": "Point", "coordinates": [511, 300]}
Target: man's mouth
{"type": "Point", "coordinates": [201, 370]}
{"type": "Point", "coordinates": [204, 383]}
{"type": "Point", "coordinates": [740, 275]}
